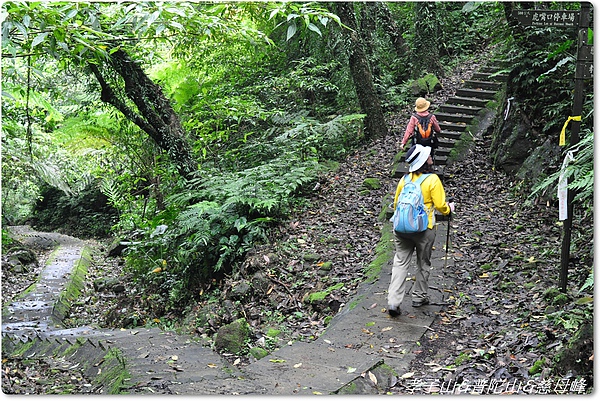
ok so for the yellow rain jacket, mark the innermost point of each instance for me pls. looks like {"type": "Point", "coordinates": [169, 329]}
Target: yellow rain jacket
{"type": "Point", "coordinates": [433, 195]}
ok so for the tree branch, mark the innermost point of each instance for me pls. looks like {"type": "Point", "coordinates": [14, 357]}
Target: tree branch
{"type": "Point", "coordinates": [108, 96]}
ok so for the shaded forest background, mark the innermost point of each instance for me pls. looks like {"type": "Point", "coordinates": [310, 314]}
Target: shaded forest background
{"type": "Point", "coordinates": [192, 129]}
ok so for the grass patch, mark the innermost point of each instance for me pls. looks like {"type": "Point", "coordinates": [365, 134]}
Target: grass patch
{"type": "Point", "coordinates": [384, 251]}
{"type": "Point", "coordinates": [321, 295]}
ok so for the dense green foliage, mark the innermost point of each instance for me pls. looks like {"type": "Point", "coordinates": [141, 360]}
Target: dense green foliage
{"type": "Point", "coordinates": [543, 64]}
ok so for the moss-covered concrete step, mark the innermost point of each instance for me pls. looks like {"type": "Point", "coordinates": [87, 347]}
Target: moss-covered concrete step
{"type": "Point", "coordinates": [467, 101]}
{"type": "Point", "coordinates": [487, 76]}
{"type": "Point", "coordinates": [443, 151]}
{"type": "Point", "coordinates": [453, 118]}
{"type": "Point", "coordinates": [451, 127]}
{"type": "Point", "coordinates": [491, 68]}
{"type": "Point", "coordinates": [103, 366]}
{"type": "Point", "coordinates": [488, 85]}
{"type": "Point", "coordinates": [476, 93]}
{"type": "Point", "coordinates": [450, 135]}
{"type": "Point", "coordinates": [184, 364]}
{"type": "Point", "coordinates": [458, 109]}
{"type": "Point", "coordinates": [446, 143]}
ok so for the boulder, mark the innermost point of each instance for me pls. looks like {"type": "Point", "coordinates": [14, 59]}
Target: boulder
{"type": "Point", "coordinates": [426, 85]}
{"type": "Point", "coordinates": [232, 337]}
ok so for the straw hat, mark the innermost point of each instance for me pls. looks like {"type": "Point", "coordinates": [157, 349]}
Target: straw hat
{"type": "Point", "coordinates": [421, 104]}
{"type": "Point", "coordinates": [417, 156]}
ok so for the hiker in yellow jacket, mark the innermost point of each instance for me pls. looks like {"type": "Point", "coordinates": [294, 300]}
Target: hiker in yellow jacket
{"type": "Point", "coordinates": [434, 196]}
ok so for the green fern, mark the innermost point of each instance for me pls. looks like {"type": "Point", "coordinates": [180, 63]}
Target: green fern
{"type": "Point", "coordinates": [589, 282]}
{"type": "Point", "coordinates": [579, 173]}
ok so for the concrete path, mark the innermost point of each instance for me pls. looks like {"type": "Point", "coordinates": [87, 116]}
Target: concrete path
{"type": "Point", "coordinates": [42, 307]}
{"type": "Point", "coordinates": [361, 338]}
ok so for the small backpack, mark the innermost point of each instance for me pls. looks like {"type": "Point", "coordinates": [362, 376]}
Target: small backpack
{"type": "Point", "coordinates": [424, 126]}
{"type": "Point", "coordinates": [424, 131]}
{"type": "Point", "coordinates": [410, 215]}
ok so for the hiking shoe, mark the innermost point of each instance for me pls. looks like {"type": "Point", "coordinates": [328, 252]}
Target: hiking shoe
{"type": "Point", "coordinates": [393, 311]}
{"type": "Point", "coordinates": [422, 302]}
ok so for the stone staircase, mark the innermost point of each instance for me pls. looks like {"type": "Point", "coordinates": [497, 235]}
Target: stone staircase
{"type": "Point", "coordinates": [458, 114]}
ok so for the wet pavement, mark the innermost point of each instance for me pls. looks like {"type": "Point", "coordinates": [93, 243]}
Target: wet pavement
{"type": "Point", "coordinates": [40, 310]}
{"type": "Point", "coordinates": [359, 339]}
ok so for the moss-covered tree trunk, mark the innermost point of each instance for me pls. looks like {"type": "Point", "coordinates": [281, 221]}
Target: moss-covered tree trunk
{"type": "Point", "coordinates": [375, 124]}
{"type": "Point", "coordinates": [154, 114]}
{"type": "Point", "coordinates": [387, 23]}
{"type": "Point", "coordinates": [426, 46]}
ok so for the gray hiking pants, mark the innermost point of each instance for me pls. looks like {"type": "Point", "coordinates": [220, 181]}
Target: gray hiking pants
{"type": "Point", "coordinates": [405, 244]}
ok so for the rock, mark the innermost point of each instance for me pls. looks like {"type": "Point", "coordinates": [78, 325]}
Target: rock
{"type": "Point", "coordinates": [260, 282]}
{"type": "Point", "coordinates": [577, 356]}
{"type": "Point", "coordinates": [116, 248]}
{"type": "Point", "coordinates": [118, 288]}
{"type": "Point", "coordinates": [241, 291]}
{"type": "Point", "coordinates": [311, 257]}
{"type": "Point", "coordinates": [426, 85]}
{"type": "Point", "coordinates": [15, 265]}
{"type": "Point", "coordinates": [109, 284]}
{"type": "Point", "coordinates": [542, 161]}
{"type": "Point", "coordinates": [228, 312]}
{"type": "Point", "coordinates": [25, 256]}
{"type": "Point", "coordinates": [232, 337]}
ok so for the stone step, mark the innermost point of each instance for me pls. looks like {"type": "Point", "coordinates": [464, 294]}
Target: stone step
{"type": "Point", "coordinates": [442, 151]}
{"type": "Point", "coordinates": [486, 76]}
{"type": "Point", "coordinates": [445, 142]}
{"type": "Point", "coordinates": [467, 101]}
{"type": "Point", "coordinates": [458, 109]}
{"type": "Point", "coordinates": [476, 93]}
{"type": "Point", "coordinates": [453, 118]}
{"type": "Point", "coordinates": [453, 127]}
{"type": "Point", "coordinates": [492, 68]}
{"type": "Point", "coordinates": [450, 134]}
{"type": "Point", "coordinates": [487, 85]}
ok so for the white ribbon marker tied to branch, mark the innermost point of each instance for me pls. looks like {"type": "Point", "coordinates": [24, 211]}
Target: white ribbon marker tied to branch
{"type": "Point", "coordinates": [563, 213]}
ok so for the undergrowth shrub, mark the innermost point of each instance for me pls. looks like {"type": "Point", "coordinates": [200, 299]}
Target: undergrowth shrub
{"type": "Point", "coordinates": [212, 224]}
{"type": "Point", "coordinates": [207, 226]}
{"type": "Point", "coordinates": [86, 214]}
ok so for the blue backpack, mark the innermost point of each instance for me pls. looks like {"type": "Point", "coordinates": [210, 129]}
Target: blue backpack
{"type": "Point", "coordinates": [410, 215]}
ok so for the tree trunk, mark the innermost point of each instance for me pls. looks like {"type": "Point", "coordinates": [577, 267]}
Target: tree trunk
{"type": "Point", "coordinates": [154, 115]}
{"type": "Point", "coordinates": [384, 17]}
{"type": "Point", "coordinates": [426, 40]}
{"type": "Point", "coordinates": [370, 105]}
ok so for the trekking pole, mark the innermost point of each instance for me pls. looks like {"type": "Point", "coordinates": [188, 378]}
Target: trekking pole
{"type": "Point", "coordinates": [447, 246]}
{"type": "Point", "coordinates": [448, 235]}
{"type": "Point", "coordinates": [447, 238]}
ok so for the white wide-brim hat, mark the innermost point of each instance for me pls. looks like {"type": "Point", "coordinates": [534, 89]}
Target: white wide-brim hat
{"type": "Point", "coordinates": [417, 156]}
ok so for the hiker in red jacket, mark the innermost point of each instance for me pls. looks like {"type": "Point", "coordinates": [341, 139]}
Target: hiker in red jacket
{"type": "Point", "coordinates": [428, 121]}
